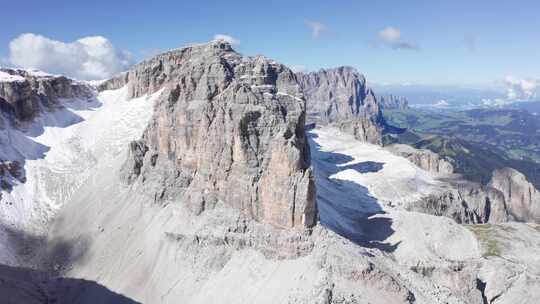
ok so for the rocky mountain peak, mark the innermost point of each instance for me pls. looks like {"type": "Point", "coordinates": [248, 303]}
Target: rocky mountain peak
{"type": "Point", "coordinates": [340, 96]}
{"type": "Point", "coordinates": [226, 129]}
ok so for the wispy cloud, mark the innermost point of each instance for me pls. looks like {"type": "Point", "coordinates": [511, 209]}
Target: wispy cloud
{"type": "Point", "coordinates": [391, 36]}
{"type": "Point", "coordinates": [227, 38]}
{"type": "Point", "coordinates": [87, 58]}
{"type": "Point", "coordinates": [521, 88]}
{"type": "Point", "coordinates": [317, 28]}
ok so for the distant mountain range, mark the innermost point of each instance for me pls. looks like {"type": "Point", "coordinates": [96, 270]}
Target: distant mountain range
{"type": "Point", "coordinates": [454, 97]}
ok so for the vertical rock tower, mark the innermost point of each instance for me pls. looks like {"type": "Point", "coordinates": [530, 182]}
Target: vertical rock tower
{"type": "Point", "coordinates": [227, 129]}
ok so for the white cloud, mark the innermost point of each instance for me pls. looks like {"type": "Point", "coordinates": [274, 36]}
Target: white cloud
{"type": "Point", "coordinates": [391, 37]}
{"type": "Point", "coordinates": [227, 38]}
{"type": "Point", "coordinates": [87, 58]}
{"type": "Point", "coordinates": [390, 34]}
{"type": "Point", "coordinates": [441, 104]}
{"type": "Point", "coordinates": [316, 28]}
{"type": "Point", "coordinates": [521, 89]}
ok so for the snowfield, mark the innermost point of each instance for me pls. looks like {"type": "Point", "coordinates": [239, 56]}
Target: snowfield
{"type": "Point", "coordinates": [5, 77]}
{"type": "Point", "coordinates": [361, 191]}
{"type": "Point", "coordinates": [60, 151]}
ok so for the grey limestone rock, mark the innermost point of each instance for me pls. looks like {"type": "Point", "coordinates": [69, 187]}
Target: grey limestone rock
{"type": "Point", "coordinates": [32, 93]}
{"type": "Point", "coordinates": [340, 96]}
{"type": "Point", "coordinates": [522, 198]}
{"type": "Point", "coordinates": [425, 159]}
{"type": "Point", "coordinates": [226, 128]}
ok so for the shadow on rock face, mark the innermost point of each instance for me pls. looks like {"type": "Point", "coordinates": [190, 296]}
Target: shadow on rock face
{"type": "Point", "coordinates": [346, 207]}
{"type": "Point", "coordinates": [52, 256]}
{"type": "Point", "coordinates": [25, 286]}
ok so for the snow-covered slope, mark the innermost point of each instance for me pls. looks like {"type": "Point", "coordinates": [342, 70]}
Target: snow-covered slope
{"type": "Point", "coordinates": [361, 190]}
{"type": "Point", "coordinates": [59, 152]}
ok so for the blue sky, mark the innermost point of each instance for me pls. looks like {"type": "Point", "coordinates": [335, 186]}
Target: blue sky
{"type": "Point", "coordinates": [437, 42]}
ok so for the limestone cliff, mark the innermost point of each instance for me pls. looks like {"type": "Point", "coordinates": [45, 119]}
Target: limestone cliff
{"type": "Point", "coordinates": [26, 94]}
{"type": "Point", "coordinates": [467, 203]}
{"type": "Point", "coordinates": [340, 96]}
{"type": "Point", "coordinates": [226, 129]}
{"type": "Point", "coordinates": [522, 198]}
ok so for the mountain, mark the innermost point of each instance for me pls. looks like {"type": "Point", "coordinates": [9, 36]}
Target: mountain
{"type": "Point", "coordinates": [341, 97]}
{"type": "Point", "coordinates": [192, 178]}
{"type": "Point", "coordinates": [389, 102]}
{"type": "Point", "coordinates": [226, 129]}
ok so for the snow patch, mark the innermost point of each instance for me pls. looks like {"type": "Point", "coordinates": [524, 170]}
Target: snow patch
{"type": "Point", "coordinates": [5, 77]}
{"type": "Point", "coordinates": [62, 149]}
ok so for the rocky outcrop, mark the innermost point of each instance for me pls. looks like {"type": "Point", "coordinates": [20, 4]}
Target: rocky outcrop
{"type": "Point", "coordinates": [340, 96]}
{"type": "Point", "coordinates": [337, 94]}
{"type": "Point", "coordinates": [466, 203]}
{"type": "Point", "coordinates": [226, 129]}
{"type": "Point", "coordinates": [25, 93]}
{"type": "Point", "coordinates": [391, 102]}
{"type": "Point", "coordinates": [509, 196]}
{"type": "Point", "coordinates": [363, 128]}
{"type": "Point", "coordinates": [423, 158]}
{"type": "Point", "coordinates": [10, 171]}
{"type": "Point", "coordinates": [522, 198]}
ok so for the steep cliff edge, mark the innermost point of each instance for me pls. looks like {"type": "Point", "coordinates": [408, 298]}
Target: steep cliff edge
{"type": "Point", "coordinates": [226, 129]}
{"type": "Point", "coordinates": [522, 198]}
{"type": "Point", "coordinates": [341, 97]}
{"type": "Point", "coordinates": [25, 93]}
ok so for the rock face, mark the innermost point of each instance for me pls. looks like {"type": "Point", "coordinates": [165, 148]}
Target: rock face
{"type": "Point", "coordinates": [25, 93]}
{"type": "Point", "coordinates": [522, 198]}
{"type": "Point", "coordinates": [226, 129]}
{"type": "Point", "coordinates": [340, 96]}
{"type": "Point", "coordinates": [424, 159]}
{"type": "Point", "coordinates": [392, 102]}
{"type": "Point", "coordinates": [9, 171]}
{"type": "Point", "coordinates": [466, 203]}
{"type": "Point", "coordinates": [509, 196]}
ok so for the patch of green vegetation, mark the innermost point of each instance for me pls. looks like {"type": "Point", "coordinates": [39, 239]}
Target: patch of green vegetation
{"type": "Point", "coordinates": [487, 236]}
{"type": "Point", "coordinates": [478, 141]}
